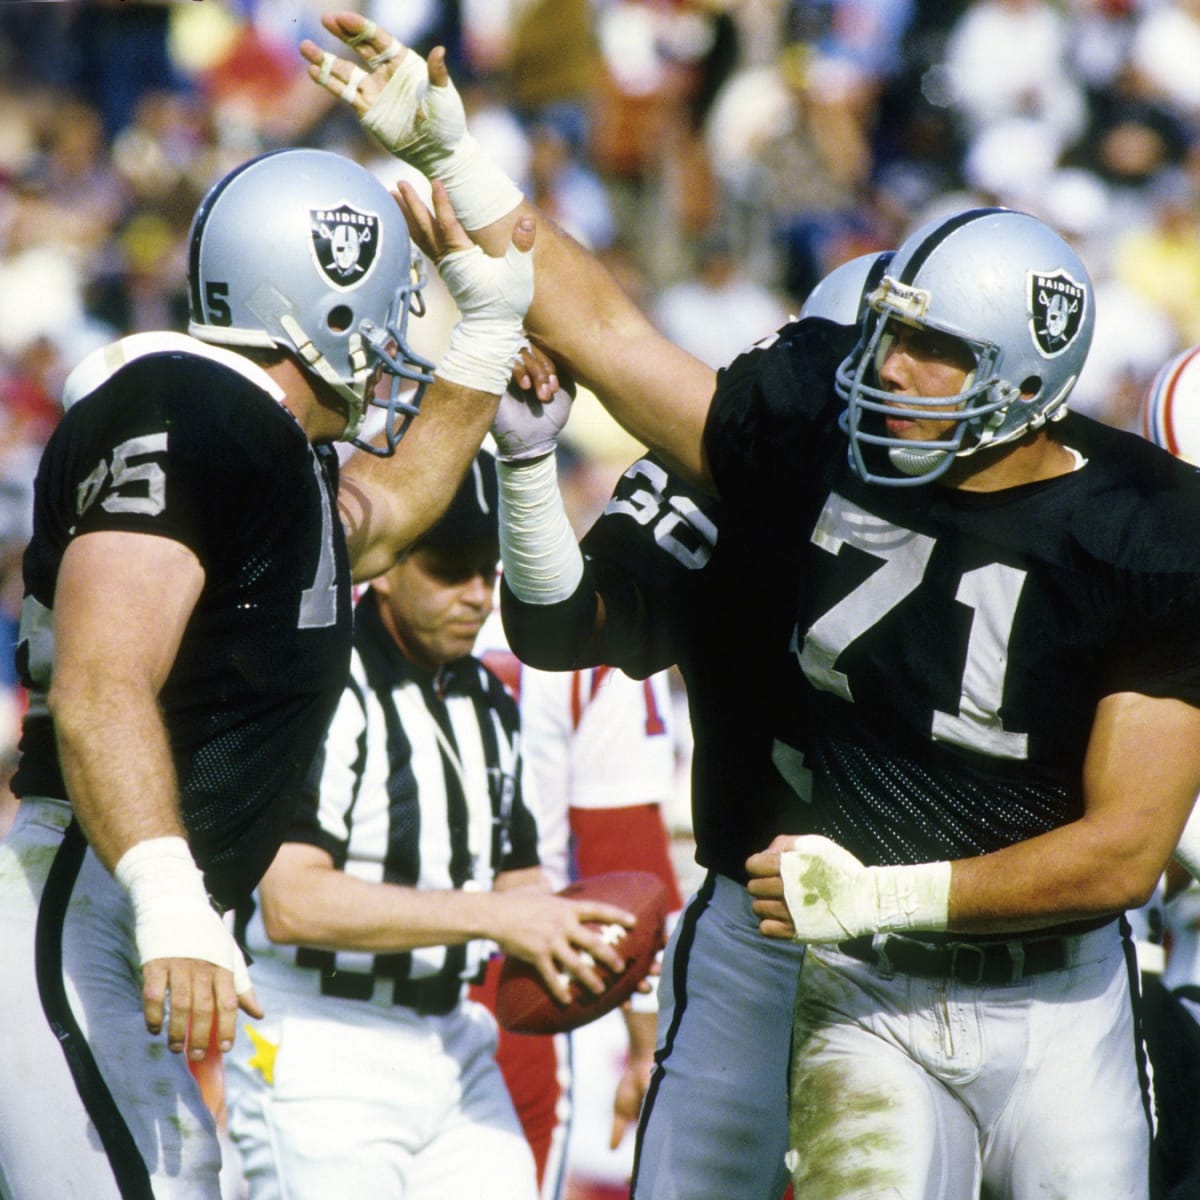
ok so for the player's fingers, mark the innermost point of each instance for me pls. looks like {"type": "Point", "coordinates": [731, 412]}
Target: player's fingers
{"type": "Point", "coordinates": [453, 235]}
{"type": "Point", "coordinates": [203, 1011]}
{"type": "Point", "coordinates": [249, 1004]}
{"type": "Point", "coordinates": [783, 930]}
{"type": "Point", "coordinates": [775, 910]}
{"type": "Point", "coordinates": [619, 1126]}
{"type": "Point", "coordinates": [581, 965]}
{"type": "Point", "coordinates": [524, 233]}
{"type": "Point", "coordinates": [766, 887]}
{"type": "Point", "coordinates": [535, 372]}
{"type": "Point", "coordinates": [557, 980]}
{"type": "Point", "coordinates": [344, 25]}
{"type": "Point", "coordinates": [154, 993]}
{"type": "Point", "coordinates": [762, 864]}
{"type": "Point", "coordinates": [344, 80]}
{"type": "Point", "coordinates": [421, 225]}
{"type": "Point", "coordinates": [439, 73]}
{"type": "Point", "coordinates": [597, 910]}
{"type": "Point", "coordinates": [226, 1010]}
{"type": "Point", "coordinates": [179, 1006]}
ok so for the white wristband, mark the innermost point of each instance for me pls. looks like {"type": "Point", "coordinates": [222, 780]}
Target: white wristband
{"type": "Point", "coordinates": [173, 915]}
{"type": "Point", "coordinates": [912, 897]}
{"type": "Point", "coordinates": [542, 561]}
{"type": "Point", "coordinates": [493, 295]}
{"type": "Point", "coordinates": [832, 897]}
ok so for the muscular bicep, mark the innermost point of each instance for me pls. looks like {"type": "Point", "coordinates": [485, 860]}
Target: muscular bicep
{"type": "Point", "coordinates": [658, 391]}
{"type": "Point", "coordinates": [1142, 773]}
{"type": "Point", "coordinates": [1140, 777]}
{"type": "Point", "coordinates": [122, 602]}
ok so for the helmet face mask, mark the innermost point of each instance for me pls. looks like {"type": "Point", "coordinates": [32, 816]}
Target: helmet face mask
{"type": "Point", "coordinates": [1019, 300]}
{"type": "Point", "coordinates": [305, 251]}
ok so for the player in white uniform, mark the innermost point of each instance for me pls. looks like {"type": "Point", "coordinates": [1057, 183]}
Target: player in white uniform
{"type": "Point", "coordinates": [374, 1073]}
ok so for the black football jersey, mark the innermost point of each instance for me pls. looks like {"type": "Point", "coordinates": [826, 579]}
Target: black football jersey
{"type": "Point", "coordinates": [689, 581]}
{"type": "Point", "coordinates": [192, 447]}
{"type": "Point", "coordinates": [947, 650]}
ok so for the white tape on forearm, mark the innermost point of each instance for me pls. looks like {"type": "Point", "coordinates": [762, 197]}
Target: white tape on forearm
{"type": "Point", "coordinates": [173, 916]}
{"type": "Point", "coordinates": [426, 126]}
{"type": "Point", "coordinates": [479, 191]}
{"type": "Point", "coordinates": [832, 897]}
{"type": "Point", "coordinates": [912, 897]}
{"type": "Point", "coordinates": [542, 561]}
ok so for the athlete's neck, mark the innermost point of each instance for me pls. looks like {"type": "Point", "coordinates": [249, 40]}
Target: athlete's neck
{"type": "Point", "coordinates": [1031, 459]}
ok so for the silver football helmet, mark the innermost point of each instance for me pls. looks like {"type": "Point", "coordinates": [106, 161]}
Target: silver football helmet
{"type": "Point", "coordinates": [1170, 415]}
{"type": "Point", "coordinates": [1016, 295]}
{"type": "Point", "coordinates": [305, 250]}
{"type": "Point", "coordinates": [841, 295]}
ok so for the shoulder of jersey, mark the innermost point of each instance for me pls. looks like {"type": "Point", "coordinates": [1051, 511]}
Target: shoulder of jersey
{"type": "Point", "coordinates": [1142, 506]}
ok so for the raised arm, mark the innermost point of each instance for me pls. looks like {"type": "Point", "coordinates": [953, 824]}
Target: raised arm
{"type": "Point", "coordinates": [386, 503]}
{"type": "Point", "coordinates": [656, 390]}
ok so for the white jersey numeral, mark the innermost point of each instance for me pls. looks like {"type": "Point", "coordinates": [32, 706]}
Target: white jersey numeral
{"type": "Point", "coordinates": [673, 516]}
{"type": "Point", "coordinates": [318, 603]}
{"type": "Point", "coordinates": [991, 592]}
{"type": "Point", "coordinates": [147, 480]}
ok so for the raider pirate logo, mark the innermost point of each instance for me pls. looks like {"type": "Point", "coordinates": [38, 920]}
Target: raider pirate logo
{"type": "Point", "coordinates": [346, 242]}
{"type": "Point", "coordinates": [1056, 305]}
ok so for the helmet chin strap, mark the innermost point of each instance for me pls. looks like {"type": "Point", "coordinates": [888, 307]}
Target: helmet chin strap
{"type": "Point", "coordinates": [356, 407]}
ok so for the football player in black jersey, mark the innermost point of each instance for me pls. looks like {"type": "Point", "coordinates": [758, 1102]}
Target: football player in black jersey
{"type": "Point", "coordinates": [660, 573]}
{"type": "Point", "coordinates": [186, 634]}
{"type": "Point", "coordinates": [989, 696]}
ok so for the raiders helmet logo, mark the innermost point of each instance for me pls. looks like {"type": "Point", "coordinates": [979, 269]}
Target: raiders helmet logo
{"type": "Point", "coordinates": [1056, 307]}
{"type": "Point", "coordinates": [346, 243]}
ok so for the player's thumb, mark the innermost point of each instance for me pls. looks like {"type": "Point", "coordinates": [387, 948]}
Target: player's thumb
{"type": "Point", "coordinates": [247, 999]}
{"type": "Point", "coordinates": [524, 233]}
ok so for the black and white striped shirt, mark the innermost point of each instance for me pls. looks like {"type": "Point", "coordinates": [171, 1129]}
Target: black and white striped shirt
{"type": "Point", "coordinates": [418, 783]}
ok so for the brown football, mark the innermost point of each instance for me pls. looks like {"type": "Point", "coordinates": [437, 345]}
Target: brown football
{"type": "Point", "coordinates": [523, 1003]}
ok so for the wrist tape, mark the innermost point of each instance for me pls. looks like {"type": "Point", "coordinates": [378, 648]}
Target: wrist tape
{"type": "Point", "coordinates": [173, 914]}
{"type": "Point", "coordinates": [542, 561]}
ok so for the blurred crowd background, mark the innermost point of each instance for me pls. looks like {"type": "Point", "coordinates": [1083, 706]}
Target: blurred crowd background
{"type": "Point", "coordinates": [720, 155]}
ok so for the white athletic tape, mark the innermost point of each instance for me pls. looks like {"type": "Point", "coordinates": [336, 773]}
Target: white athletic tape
{"type": "Point", "coordinates": [363, 35]}
{"type": "Point", "coordinates": [350, 91]}
{"type": "Point", "coordinates": [493, 295]}
{"type": "Point", "coordinates": [542, 561]}
{"type": "Point", "coordinates": [831, 896]}
{"type": "Point", "coordinates": [326, 71]}
{"type": "Point", "coordinates": [173, 916]}
{"type": "Point", "coordinates": [426, 126]}
{"type": "Point", "coordinates": [393, 116]}
{"type": "Point", "coordinates": [385, 56]}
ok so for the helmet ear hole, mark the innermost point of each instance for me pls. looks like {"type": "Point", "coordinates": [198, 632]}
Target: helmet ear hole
{"type": "Point", "coordinates": [340, 318]}
{"type": "Point", "coordinates": [1031, 385]}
